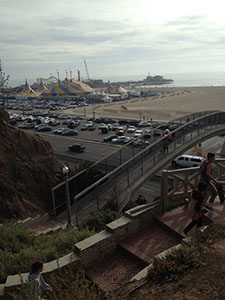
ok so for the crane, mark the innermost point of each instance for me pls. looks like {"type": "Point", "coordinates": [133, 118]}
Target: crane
{"type": "Point", "coordinates": [86, 68]}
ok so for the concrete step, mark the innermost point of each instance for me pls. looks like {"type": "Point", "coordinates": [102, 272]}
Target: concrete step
{"type": "Point", "coordinates": [31, 221]}
{"type": "Point", "coordinates": [149, 242]}
{"type": "Point", "coordinates": [115, 270]}
{"type": "Point", "coordinates": [177, 219]}
{"type": "Point", "coordinates": [174, 221]}
{"type": "Point", "coordinates": [46, 227]}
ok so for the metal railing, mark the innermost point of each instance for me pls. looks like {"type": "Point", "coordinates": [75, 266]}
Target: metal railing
{"type": "Point", "coordinates": [184, 181]}
{"type": "Point", "coordinates": [120, 183]}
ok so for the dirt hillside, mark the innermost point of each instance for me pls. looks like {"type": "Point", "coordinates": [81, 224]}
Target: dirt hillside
{"type": "Point", "coordinates": [28, 169]}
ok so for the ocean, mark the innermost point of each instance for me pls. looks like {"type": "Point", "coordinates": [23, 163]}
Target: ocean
{"type": "Point", "coordinates": [180, 80]}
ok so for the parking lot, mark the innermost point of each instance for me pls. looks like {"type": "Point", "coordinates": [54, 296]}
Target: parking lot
{"type": "Point", "coordinates": [122, 131]}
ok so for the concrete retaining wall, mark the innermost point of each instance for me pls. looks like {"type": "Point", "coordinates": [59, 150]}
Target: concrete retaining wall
{"type": "Point", "coordinates": [94, 248]}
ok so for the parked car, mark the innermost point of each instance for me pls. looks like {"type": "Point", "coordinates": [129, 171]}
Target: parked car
{"type": "Point", "coordinates": [91, 128]}
{"type": "Point", "coordinates": [115, 127]}
{"type": "Point", "coordinates": [44, 128]}
{"type": "Point", "coordinates": [147, 134]}
{"type": "Point", "coordinates": [110, 137]}
{"type": "Point", "coordinates": [157, 132]}
{"type": "Point", "coordinates": [188, 161]}
{"type": "Point", "coordinates": [70, 133]}
{"type": "Point", "coordinates": [127, 140]}
{"type": "Point", "coordinates": [144, 124]}
{"type": "Point", "coordinates": [37, 127]}
{"type": "Point", "coordinates": [28, 126]}
{"type": "Point", "coordinates": [131, 129]}
{"type": "Point", "coordinates": [138, 142]}
{"type": "Point", "coordinates": [156, 124]}
{"type": "Point", "coordinates": [104, 129]}
{"type": "Point", "coordinates": [90, 123]}
{"type": "Point", "coordinates": [84, 127]}
{"type": "Point", "coordinates": [58, 131]}
{"type": "Point", "coordinates": [109, 121]}
{"type": "Point", "coordinates": [138, 133]}
{"type": "Point", "coordinates": [102, 125]}
{"type": "Point", "coordinates": [166, 132]}
{"type": "Point", "coordinates": [72, 124]}
{"type": "Point", "coordinates": [124, 122]}
{"type": "Point", "coordinates": [173, 127]}
{"type": "Point", "coordinates": [119, 139]}
{"type": "Point", "coordinates": [77, 147]}
{"type": "Point", "coordinates": [120, 131]}
{"type": "Point", "coordinates": [55, 123]}
{"type": "Point", "coordinates": [133, 122]}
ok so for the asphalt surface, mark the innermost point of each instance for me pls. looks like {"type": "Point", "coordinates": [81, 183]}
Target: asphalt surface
{"type": "Point", "coordinates": [95, 150]}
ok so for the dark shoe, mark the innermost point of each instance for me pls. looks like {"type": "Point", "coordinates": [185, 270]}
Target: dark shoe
{"type": "Point", "coordinates": [208, 206]}
{"type": "Point", "coordinates": [185, 232]}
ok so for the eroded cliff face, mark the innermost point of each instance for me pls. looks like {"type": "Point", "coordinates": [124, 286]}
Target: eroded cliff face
{"type": "Point", "coordinates": [28, 170]}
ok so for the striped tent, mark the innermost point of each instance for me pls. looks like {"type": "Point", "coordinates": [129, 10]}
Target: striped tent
{"type": "Point", "coordinates": [69, 87]}
{"type": "Point", "coordinates": [27, 92]}
{"type": "Point", "coordinates": [42, 89]}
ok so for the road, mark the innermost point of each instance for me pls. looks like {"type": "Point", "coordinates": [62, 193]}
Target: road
{"type": "Point", "coordinates": [95, 150]}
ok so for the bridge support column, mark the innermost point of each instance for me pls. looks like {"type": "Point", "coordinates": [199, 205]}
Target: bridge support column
{"type": "Point", "coordinates": [53, 204]}
{"type": "Point", "coordinates": [128, 177]}
{"type": "Point", "coordinates": [106, 167]}
{"type": "Point", "coordinates": [97, 197]}
{"type": "Point", "coordinates": [164, 190]}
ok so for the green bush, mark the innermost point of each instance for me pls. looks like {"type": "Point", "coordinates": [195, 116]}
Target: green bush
{"type": "Point", "coordinates": [98, 219]}
{"type": "Point", "coordinates": [14, 237]}
{"type": "Point", "coordinates": [20, 248]}
{"type": "Point", "coordinates": [68, 284]}
{"type": "Point", "coordinates": [175, 263]}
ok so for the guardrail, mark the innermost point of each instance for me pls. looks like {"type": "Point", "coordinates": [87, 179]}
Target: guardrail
{"type": "Point", "coordinates": [119, 184]}
{"type": "Point", "coordinates": [184, 181]}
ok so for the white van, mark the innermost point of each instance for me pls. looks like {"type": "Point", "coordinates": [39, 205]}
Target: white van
{"type": "Point", "coordinates": [188, 161]}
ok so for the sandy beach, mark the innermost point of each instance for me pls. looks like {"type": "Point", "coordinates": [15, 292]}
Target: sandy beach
{"type": "Point", "coordinates": [172, 103]}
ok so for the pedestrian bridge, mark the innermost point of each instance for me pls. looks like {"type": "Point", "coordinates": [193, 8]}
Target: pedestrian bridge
{"type": "Point", "coordinates": [120, 184]}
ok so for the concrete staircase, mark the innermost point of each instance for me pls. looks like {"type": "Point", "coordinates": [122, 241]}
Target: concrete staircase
{"type": "Point", "coordinates": [131, 256]}
{"type": "Point", "coordinates": [177, 219]}
{"type": "Point", "coordinates": [42, 224]}
{"type": "Point", "coordinates": [136, 252]}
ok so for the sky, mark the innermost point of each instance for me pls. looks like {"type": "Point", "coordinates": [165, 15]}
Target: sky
{"type": "Point", "coordinates": [116, 38]}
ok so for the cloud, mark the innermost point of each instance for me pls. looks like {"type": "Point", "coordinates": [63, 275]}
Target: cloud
{"type": "Point", "coordinates": [133, 34]}
{"type": "Point", "coordinates": [188, 20]}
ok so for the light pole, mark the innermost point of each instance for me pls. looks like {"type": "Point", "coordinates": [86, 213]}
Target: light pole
{"type": "Point", "coordinates": [65, 171]}
{"type": "Point", "coordinates": [93, 111]}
